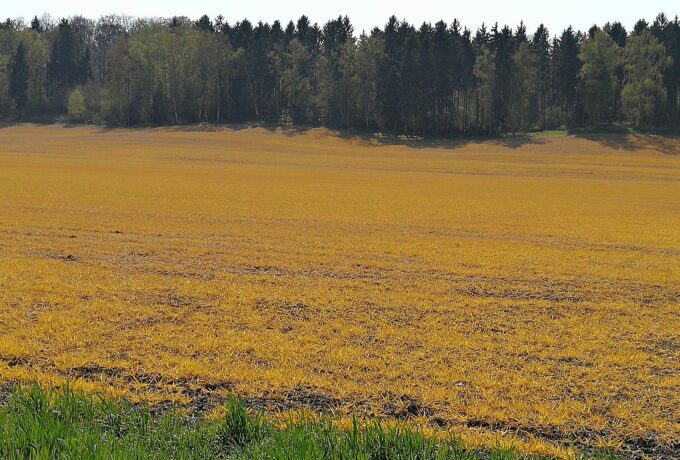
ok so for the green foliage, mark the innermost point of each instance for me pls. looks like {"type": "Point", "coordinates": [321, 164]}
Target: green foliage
{"type": "Point", "coordinates": [37, 57]}
{"type": "Point", "coordinates": [63, 424]}
{"type": "Point", "coordinates": [337, 74]}
{"type": "Point", "coordinates": [5, 101]}
{"type": "Point", "coordinates": [368, 61]}
{"type": "Point", "coordinates": [601, 58]}
{"type": "Point", "coordinates": [522, 89]}
{"type": "Point", "coordinates": [77, 108]}
{"type": "Point", "coordinates": [296, 81]}
{"type": "Point", "coordinates": [540, 49]}
{"type": "Point", "coordinates": [566, 67]}
{"type": "Point", "coordinates": [485, 72]}
{"type": "Point", "coordinates": [397, 78]}
{"type": "Point", "coordinates": [69, 63]}
{"type": "Point", "coordinates": [646, 61]}
{"type": "Point", "coordinates": [18, 78]}
{"type": "Point", "coordinates": [316, 439]}
{"type": "Point", "coordinates": [238, 429]}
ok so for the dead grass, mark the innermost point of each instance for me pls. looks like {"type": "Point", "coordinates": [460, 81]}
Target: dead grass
{"type": "Point", "coordinates": [525, 291]}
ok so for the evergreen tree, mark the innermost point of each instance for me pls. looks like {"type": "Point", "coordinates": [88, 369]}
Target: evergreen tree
{"type": "Point", "coordinates": [444, 71]}
{"type": "Point", "coordinates": [205, 24]}
{"type": "Point", "coordinates": [369, 55]}
{"type": "Point", "coordinates": [425, 102]}
{"type": "Point", "coordinates": [433, 79]}
{"type": "Point", "coordinates": [566, 67]}
{"type": "Point", "coordinates": [540, 48]}
{"type": "Point", "coordinates": [640, 27]}
{"type": "Point", "coordinates": [36, 25]}
{"type": "Point", "coordinates": [503, 47]}
{"type": "Point", "coordinates": [668, 33]}
{"type": "Point", "coordinates": [617, 32]}
{"type": "Point", "coordinates": [62, 70]}
{"type": "Point", "coordinates": [410, 78]}
{"type": "Point", "coordinates": [333, 66]}
{"type": "Point", "coordinates": [464, 78]}
{"type": "Point", "coordinates": [485, 73]}
{"type": "Point", "coordinates": [18, 79]}
{"type": "Point", "coordinates": [389, 81]}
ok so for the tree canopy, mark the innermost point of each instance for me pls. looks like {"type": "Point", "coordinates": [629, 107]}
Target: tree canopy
{"type": "Point", "coordinates": [440, 79]}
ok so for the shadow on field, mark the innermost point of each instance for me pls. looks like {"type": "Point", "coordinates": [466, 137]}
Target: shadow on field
{"type": "Point", "coordinates": [211, 127]}
{"type": "Point", "coordinates": [669, 145]}
{"type": "Point", "coordinates": [517, 142]}
{"type": "Point", "coordinates": [288, 130]}
{"type": "Point", "coordinates": [42, 122]}
{"type": "Point", "coordinates": [617, 141]}
{"type": "Point", "coordinates": [190, 128]}
{"type": "Point", "coordinates": [419, 142]}
{"type": "Point", "coordinates": [666, 144]}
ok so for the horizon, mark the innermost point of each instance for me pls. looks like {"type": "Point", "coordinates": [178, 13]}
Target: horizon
{"type": "Point", "coordinates": [365, 17]}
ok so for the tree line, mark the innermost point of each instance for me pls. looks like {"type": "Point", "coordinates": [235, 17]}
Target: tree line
{"type": "Point", "coordinates": [440, 79]}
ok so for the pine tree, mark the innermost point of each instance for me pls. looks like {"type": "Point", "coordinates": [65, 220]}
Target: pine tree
{"type": "Point", "coordinates": [540, 47]}
{"type": "Point", "coordinates": [62, 70]}
{"type": "Point", "coordinates": [205, 24]}
{"type": "Point", "coordinates": [36, 25]}
{"type": "Point", "coordinates": [503, 47]}
{"type": "Point", "coordinates": [369, 57]}
{"type": "Point", "coordinates": [485, 73]}
{"type": "Point", "coordinates": [566, 67]}
{"type": "Point", "coordinates": [18, 79]}
{"type": "Point", "coordinates": [668, 33]}
{"type": "Point", "coordinates": [433, 79]}
{"type": "Point", "coordinates": [390, 79]}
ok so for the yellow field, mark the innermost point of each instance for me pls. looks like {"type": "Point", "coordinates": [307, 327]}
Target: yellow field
{"type": "Point", "coordinates": [523, 291]}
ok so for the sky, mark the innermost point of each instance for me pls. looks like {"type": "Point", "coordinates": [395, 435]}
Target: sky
{"type": "Point", "coordinates": [366, 14]}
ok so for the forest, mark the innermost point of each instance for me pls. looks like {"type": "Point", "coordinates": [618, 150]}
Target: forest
{"type": "Point", "coordinates": [442, 79]}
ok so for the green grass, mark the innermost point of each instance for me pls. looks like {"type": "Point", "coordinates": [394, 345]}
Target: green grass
{"type": "Point", "coordinates": [63, 424]}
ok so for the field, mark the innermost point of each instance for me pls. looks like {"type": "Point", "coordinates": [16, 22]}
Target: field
{"type": "Point", "coordinates": [519, 292]}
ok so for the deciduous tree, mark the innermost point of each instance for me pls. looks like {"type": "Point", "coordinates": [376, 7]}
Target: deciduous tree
{"type": "Point", "coordinates": [601, 58]}
{"type": "Point", "coordinates": [646, 61]}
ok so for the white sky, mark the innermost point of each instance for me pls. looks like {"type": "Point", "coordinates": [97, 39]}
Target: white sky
{"type": "Point", "coordinates": [366, 14]}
